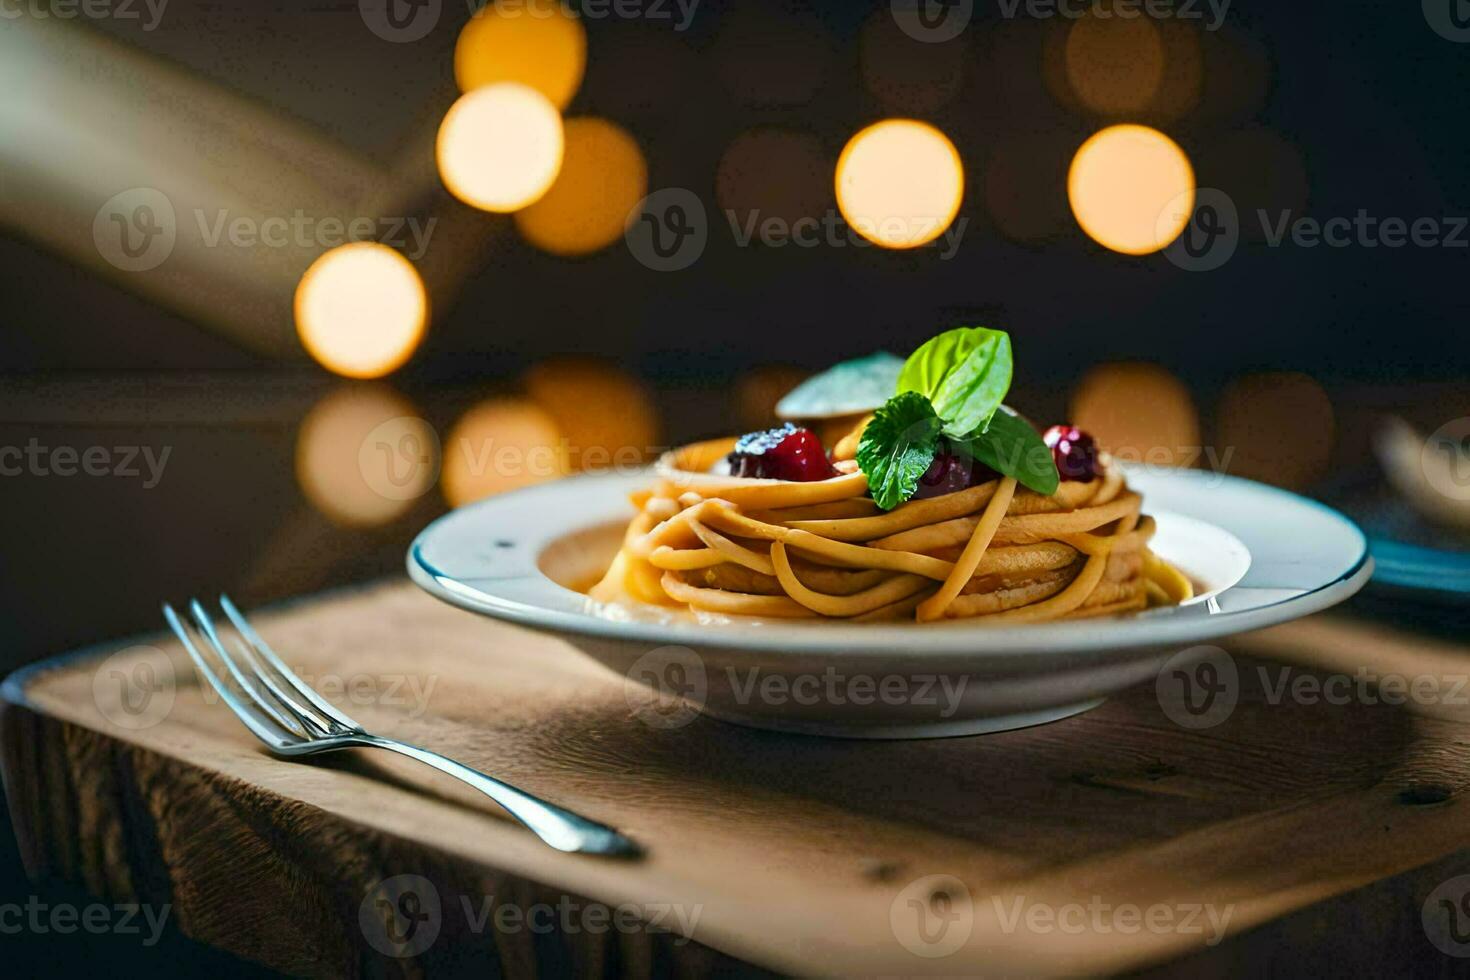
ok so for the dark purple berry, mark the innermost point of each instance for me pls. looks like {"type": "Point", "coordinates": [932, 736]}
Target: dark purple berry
{"type": "Point", "coordinates": [951, 472]}
{"type": "Point", "coordinates": [1074, 452]}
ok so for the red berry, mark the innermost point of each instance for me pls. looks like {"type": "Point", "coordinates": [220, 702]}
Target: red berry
{"type": "Point", "coordinates": [1074, 452]}
{"type": "Point", "coordinates": [782, 453]}
{"type": "Point", "coordinates": [951, 472]}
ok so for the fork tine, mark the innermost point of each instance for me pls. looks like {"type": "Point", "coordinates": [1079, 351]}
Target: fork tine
{"type": "Point", "coordinates": [309, 725]}
{"type": "Point", "coordinates": [203, 626]}
{"type": "Point", "coordinates": [280, 713]}
{"type": "Point", "coordinates": [262, 649]}
{"type": "Point", "coordinates": [263, 727]}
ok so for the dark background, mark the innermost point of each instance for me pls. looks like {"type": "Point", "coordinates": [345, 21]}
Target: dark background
{"type": "Point", "coordinates": [1322, 108]}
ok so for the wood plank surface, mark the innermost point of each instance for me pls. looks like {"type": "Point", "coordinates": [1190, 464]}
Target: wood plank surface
{"type": "Point", "coordinates": [1036, 852]}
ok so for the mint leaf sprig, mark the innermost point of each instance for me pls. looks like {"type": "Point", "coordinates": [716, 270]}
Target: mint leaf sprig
{"type": "Point", "coordinates": [897, 446]}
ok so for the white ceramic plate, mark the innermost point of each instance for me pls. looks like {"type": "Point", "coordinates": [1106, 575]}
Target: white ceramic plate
{"type": "Point", "coordinates": [1258, 555]}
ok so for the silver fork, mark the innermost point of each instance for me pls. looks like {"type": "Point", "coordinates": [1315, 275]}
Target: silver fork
{"type": "Point", "coordinates": [292, 719]}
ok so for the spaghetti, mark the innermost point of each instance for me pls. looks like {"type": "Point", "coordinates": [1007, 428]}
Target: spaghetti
{"type": "Point", "coordinates": [995, 553]}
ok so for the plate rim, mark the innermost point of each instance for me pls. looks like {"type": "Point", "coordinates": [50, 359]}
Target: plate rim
{"type": "Point", "coordinates": [1141, 630]}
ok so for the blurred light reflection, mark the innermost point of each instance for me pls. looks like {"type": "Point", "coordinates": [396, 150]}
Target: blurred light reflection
{"type": "Point", "coordinates": [605, 415]}
{"type": "Point", "coordinates": [500, 147]}
{"type": "Point", "coordinates": [1131, 189]}
{"type": "Point", "coordinates": [539, 43]}
{"type": "Point", "coordinates": [603, 177]}
{"type": "Point", "coordinates": [1279, 428]}
{"type": "Point", "coordinates": [364, 455]}
{"type": "Point", "coordinates": [1140, 413]}
{"type": "Point", "coordinates": [499, 445]}
{"type": "Point", "coordinates": [361, 310]}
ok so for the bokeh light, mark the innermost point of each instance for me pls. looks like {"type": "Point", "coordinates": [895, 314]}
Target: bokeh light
{"type": "Point", "coordinates": [361, 310]}
{"type": "Point", "coordinates": [1139, 412]}
{"type": "Point", "coordinates": [499, 445]}
{"type": "Point", "coordinates": [1131, 189]}
{"type": "Point", "coordinates": [363, 455]}
{"type": "Point", "coordinates": [539, 43]}
{"type": "Point", "coordinates": [907, 74]}
{"type": "Point", "coordinates": [500, 147]}
{"type": "Point", "coordinates": [743, 183]}
{"type": "Point", "coordinates": [900, 183]}
{"type": "Point", "coordinates": [603, 177]}
{"type": "Point", "coordinates": [1278, 427]}
{"type": "Point", "coordinates": [1114, 65]}
{"type": "Point", "coordinates": [605, 415]}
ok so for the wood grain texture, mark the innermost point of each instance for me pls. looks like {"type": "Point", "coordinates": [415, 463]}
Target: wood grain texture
{"type": "Point", "coordinates": [1316, 825]}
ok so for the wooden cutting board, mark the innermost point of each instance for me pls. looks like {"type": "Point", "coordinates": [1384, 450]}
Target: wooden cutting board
{"type": "Point", "coordinates": [1303, 832]}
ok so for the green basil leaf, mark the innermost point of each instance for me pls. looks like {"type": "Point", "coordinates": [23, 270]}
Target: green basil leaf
{"type": "Point", "coordinates": [965, 373]}
{"type": "Point", "coordinates": [850, 388]}
{"type": "Point", "coordinates": [1012, 447]}
{"type": "Point", "coordinates": [973, 391]}
{"type": "Point", "coordinates": [897, 447]}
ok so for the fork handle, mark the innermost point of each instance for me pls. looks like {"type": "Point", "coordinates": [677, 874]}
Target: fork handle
{"type": "Point", "coordinates": [562, 829]}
